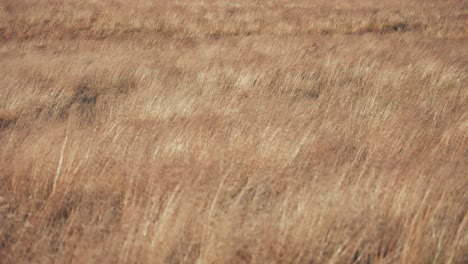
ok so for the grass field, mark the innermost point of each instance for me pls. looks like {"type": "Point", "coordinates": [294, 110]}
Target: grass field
{"type": "Point", "coordinates": [279, 131]}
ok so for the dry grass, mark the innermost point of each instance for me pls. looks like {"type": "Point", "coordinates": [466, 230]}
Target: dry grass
{"type": "Point", "coordinates": [233, 131]}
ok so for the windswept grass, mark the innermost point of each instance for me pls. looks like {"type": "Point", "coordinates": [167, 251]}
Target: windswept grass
{"type": "Point", "coordinates": [233, 132]}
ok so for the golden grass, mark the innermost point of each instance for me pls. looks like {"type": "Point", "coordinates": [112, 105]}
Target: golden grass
{"type": "Point", "coordinates": [233, 131]}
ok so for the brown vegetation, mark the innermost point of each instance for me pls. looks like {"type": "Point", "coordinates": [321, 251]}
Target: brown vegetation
{"type": "Point", "coordinates": [233, 131]}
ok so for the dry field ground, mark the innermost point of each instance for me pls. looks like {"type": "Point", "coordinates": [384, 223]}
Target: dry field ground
{"type": "Point", "coordinates": [276, 131]}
